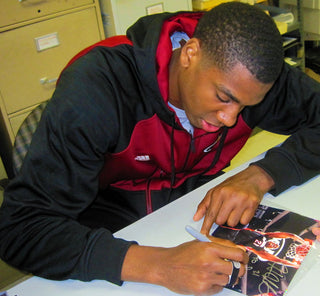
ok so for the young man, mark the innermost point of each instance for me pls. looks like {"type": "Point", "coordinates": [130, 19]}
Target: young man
{"type": "Point", "coordinates": [138, 121]}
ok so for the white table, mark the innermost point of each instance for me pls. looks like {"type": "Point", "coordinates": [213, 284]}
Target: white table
{"type": "Point", "coordinates": [165, 228]}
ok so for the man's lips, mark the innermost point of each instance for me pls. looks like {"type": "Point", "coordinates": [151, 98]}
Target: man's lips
{"type": "Point", "coordinates": [209, 127]}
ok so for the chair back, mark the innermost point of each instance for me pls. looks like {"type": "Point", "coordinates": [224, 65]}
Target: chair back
{"type": "Point", "coordinates": [24, 136]}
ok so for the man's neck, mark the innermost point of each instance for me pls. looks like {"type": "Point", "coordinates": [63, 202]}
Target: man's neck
{"type": "Point", "coordinates": [173, 79]}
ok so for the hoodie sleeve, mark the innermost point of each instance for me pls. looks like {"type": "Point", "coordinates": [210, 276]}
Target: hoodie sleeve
{"type": "Point", "coordinates": [39, 232]}
{"type": "Point", "coordinates": [292, 107]}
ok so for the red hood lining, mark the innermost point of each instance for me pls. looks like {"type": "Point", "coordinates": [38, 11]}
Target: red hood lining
{"type": "Point", "coordinates": [184, 22]}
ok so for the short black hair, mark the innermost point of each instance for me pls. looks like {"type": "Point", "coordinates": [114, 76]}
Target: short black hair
{"type": "Point", "coordinates": [236, 32]}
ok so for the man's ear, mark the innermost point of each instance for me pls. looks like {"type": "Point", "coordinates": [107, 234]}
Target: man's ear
{"type": "Point", "coordinates": [190, 51]}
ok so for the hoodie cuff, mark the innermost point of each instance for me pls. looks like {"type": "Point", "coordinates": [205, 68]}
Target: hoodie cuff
{"type": "Point", "coordinates": [106, 258]}
{"type": "Point", "coordinates": [282, 169]}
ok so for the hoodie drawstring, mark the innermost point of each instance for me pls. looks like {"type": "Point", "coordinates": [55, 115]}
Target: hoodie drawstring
{"type": "Point", "coordinates": [214, 162]}
{"type": "Point", "coordinates": [173, 169]}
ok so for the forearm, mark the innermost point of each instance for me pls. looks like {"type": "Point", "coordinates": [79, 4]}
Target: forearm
{"type": "Point", "coordinates": [290, 165]}
{"type": "Point", "coordinates": [57, 248]}
{"type": "Point", "coordinates": [292, 108]}
{"type": "Point", "coordinates": [143, 264]}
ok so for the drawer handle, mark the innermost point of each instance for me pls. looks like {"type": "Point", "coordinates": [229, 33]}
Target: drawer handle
{"type": "Point", "coordinates": [46, 80]}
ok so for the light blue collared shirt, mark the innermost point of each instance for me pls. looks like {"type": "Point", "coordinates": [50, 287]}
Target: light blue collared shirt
{"type": "Point", "coordinates": [176, 37]}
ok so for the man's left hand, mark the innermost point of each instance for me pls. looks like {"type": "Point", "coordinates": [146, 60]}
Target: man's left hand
{"type": "Point", "coordinates": [316, 231]}
{"type": "Point", "coordinates": [234, 200]}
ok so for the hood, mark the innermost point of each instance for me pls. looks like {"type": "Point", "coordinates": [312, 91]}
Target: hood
{"type": "Point", "coordinates": [151, 39]}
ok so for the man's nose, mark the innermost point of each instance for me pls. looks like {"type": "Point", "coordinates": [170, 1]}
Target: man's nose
{"type": "Point", "coordinates": [229, 116]}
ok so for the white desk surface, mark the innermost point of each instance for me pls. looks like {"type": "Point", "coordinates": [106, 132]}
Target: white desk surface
{"type": "Point", "coordinates": [165, 228]}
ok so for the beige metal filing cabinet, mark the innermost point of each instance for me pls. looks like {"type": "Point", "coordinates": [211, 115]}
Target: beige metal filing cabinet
{"type": "Point", "coordinates": [118, 15]}
{"type": "Point", "coordinates": [37, 39]}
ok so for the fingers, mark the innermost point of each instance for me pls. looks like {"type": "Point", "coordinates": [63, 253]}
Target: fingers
{"type": "Point", "coordinates": [223, 281]}
{"type": "Point", "coordinates": [316, 231]}
{"type": "Point", "coordinates": [209, 219]}
{"type": "Point", "coordinates": [214, 289]}
{"type": "Point", "coordinates": [210, 266]}
{"type": "Point", "coordinates": [235, 199]}
{"type": "Point", "coordinates": [221, 210]}
{"type": "Point", "coordinates": [202, 209]}
{"type": "Point", "coordinates": [248, 214]}
{"type": "Point", "coordinates": [235, 254]}
{"type": "Point", "coordinates": [230, 212]}
{"type": "Point", "coordinates": [221, 241]}
{"type": "Point", "coordinates": [225, 272]}
{"type": "Point", "coordinates": [235, 268]}
{"type": "Point", "coordinates": [225, 206]}
{"type": "Point", "coordinates": [237, 272]}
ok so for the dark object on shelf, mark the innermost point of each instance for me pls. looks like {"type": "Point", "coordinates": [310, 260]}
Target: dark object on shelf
{"type": "Point", "coordinates": [313, 59]}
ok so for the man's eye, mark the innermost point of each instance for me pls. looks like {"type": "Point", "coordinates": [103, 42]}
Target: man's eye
{"type": "Point", "coordinates": [222, 100]}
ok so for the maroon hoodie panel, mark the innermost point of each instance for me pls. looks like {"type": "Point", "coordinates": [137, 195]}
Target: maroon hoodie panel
{"type": "Point", "coordinates": [148, 155]}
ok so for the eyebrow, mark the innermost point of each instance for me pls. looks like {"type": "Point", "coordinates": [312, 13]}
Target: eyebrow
{"type": "Point", "coordinates": [228, 93]}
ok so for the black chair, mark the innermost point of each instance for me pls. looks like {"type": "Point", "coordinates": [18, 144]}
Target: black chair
{"type": "Point", "coordinates": [5, 153]}
{"type": "Point", "coordinates": [24, 137]}
{"type": "Point", "coordinates": [12, 157]}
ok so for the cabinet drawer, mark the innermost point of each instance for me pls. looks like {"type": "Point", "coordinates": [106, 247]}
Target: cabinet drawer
{"type": "Point", "coordinates": [15, 11]}
{"type": "Point", "coordinates": [23, 66]}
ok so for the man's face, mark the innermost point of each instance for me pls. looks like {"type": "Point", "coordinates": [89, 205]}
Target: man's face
{"type": "Point", "coordinates": [212, 98]}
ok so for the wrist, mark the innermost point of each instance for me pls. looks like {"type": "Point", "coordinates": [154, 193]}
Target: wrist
{"type": "Point", "coordinates": [263, 180]}
{"type": "Point", "coordinates": [143, 264]}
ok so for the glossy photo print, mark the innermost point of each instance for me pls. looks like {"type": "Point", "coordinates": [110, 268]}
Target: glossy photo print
{"type": "Point", "coordinates": [277, 241]}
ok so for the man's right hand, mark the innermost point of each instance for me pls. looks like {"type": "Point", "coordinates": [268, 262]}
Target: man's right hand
{"type": "Point", "coordinates": [198, 268]}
